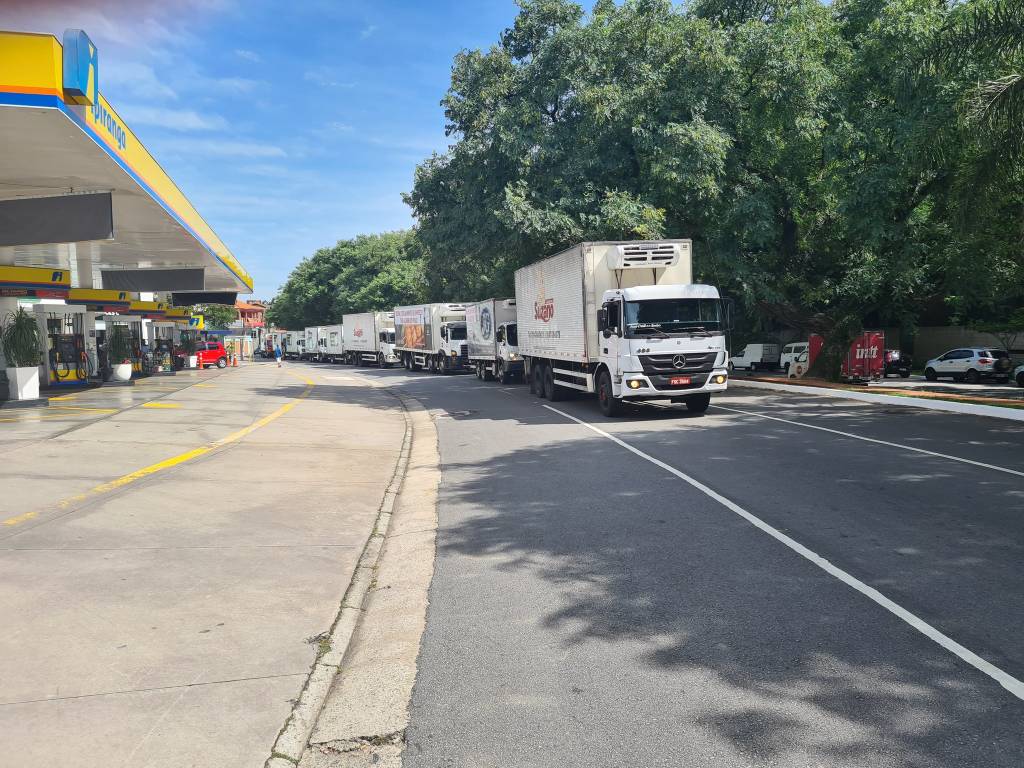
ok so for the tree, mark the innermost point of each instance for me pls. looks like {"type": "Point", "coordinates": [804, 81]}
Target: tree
{"type": "Point", "coordinates": [369, 272]}
{"type": "Point", "coordinates": [217, 316]}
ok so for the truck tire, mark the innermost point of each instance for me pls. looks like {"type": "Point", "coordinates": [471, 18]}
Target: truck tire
{"type": "Point", "coordinates": [552, 391]}
{"type": "Point", "coordinates": [537, 378]}
{"type": "Point", "coordinates": [503, 375]}
{"type": "Point", "coordinates": [487, 375]}
{"type": "Point", "coordinates": [610, 406]}
{"type": "Point", "coordinates": [698, 403]}
{"type": "Point", "coordinates": [380, 360]}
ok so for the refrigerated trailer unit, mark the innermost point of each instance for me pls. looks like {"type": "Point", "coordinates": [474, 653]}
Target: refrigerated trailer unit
{"type": "Point", "coordinates": [332, 343]}
{"type": "Point", "coordinates": [432, 336]}
{"type": "Point", "coordinates": [370, 338]}
{"type": "Point", "coordinates": [622, 320]}
{"type": "Point", "coordinates": [491, 340]}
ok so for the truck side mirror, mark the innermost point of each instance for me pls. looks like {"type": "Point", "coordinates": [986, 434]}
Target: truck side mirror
{"type": "Point", "coordinates": [602, 319]}
{"type": "Point", "coordinates": [499, 335]}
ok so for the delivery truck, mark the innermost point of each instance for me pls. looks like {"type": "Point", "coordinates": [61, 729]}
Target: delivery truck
{"type": "Point", "coordinates": [491, 340]}
{"type": "Point", "coordinates": [311, 348]}
{"type": "Point", "coordinates": [293, 344]}
{"type": "Point", "coordinates": [332, 343]}
{"type": "Point", "coordinates": [370, 338]}
{"type": "Point", "coordinates": [432, 337]}
{"type": "Point", "coordinates": [624, 321]}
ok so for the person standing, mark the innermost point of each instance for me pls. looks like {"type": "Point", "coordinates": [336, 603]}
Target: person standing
{"type": "Point", "coordinates": [277, 354]}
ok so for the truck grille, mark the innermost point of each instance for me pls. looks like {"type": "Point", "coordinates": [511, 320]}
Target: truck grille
{"type": "Point", "coordinates": [695, 362]}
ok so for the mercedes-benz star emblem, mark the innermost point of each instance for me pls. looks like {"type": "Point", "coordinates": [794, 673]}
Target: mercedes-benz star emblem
{"type": "Point", "coordinates": [679, 361]}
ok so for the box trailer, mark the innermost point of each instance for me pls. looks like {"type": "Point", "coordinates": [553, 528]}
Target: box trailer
{"type": "Point", "coordinates": [332, 343]}
{"type": "Point", "coordinates": [622, 319]}
{"type": "Point", "coordinates": [311, 349]}
{"type": "Point", "coordinates": [864, 359]}
{"type": "Point", "coordinates": [491, 340]}
{"type": "Point", "coordinates": [370, 338]}
{"type": "Point", "coordinates": [293, 344]}
{"type": "Point", "coordinates": [432, 336]}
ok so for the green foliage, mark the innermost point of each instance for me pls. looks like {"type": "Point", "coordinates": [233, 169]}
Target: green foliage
{"type": "Point", "coordinates": [19, 339]}
{"type": "Point", "coordinates": [821, 156]}
{"type": "Point", "coordinates": [188, 342]}
{"type": "Point", "coordinates": [217, 316]}
{"type": "Point", "coordinates": [120, 345]}
{"type": "Point", "coordinates": [369, 272]}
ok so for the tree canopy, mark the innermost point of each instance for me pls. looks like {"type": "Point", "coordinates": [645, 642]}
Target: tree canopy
{"type": "Point", "coordinates": [836, 165]}
{"type": "Point", "coordinates": [369, 272]}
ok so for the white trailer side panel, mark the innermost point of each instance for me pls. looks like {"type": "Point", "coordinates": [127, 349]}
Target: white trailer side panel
{"type": "Point", "coordinates": [482, 320]}
{"type": "Point", "coordinates": [417, 327]}
{"type": "Point", "coordinates": [550, 307]}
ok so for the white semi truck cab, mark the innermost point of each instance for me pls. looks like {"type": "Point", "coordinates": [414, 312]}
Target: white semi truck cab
{"type": "Point", "coordinates": [662, 341]}
{"type": "Point", "coordinates": [493, 340]}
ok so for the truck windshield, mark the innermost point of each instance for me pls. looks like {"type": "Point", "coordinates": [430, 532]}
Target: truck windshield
{"type": "Point", "coordinates": [672, 316]}
{"type": "Point", "coordinates": [511, 335]}
{"type": "Point", "coordinates": [457, 332]}
{"type": "Point", "coordinates": [390, 334]}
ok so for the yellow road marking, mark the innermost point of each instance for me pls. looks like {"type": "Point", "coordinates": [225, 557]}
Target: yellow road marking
{"type": "Point", "coordinates": [63, 397]}
{"type": "Point", "coordinates": [203, 385]}
{"type": "Point", "coordinates": [83, 408]}
{"type": "Point", "coordinates": [160, 405]}
{"type": "Point", "coordinates": [174, 461]}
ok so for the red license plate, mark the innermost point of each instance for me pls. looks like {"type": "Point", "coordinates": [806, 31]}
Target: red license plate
{"type": "Point", "coordinates": [679, 381]}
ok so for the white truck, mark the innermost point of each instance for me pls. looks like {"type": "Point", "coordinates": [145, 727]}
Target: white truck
{"type": "Point", "coordinates": [311, 346]}
{"type": "Point", "coordinates": [622, 320]}
{"type": "Point", "coordinates": [756, 357]}
{"type": "Point", "coordinates": [492, 341]}
{"type": "Point", "coordinates": [432, 336]}
{"type": "Point", "coordinates": [293, 344]}
{"type": "Point", "coordinates": [370, 338]}
{"type": "Point", "coordinates": [332, 343]}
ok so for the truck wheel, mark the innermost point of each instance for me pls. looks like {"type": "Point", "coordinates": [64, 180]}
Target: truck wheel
{"type": "Point", "coordinates": [538, 380]}
{"type": "Point", "coordinates": [380, 360]}
{"type": "Point", "coordinates": [698, 403]}
{"type": "Point", "coordinates": [610, 406]}
{"type": "Point", "coordinates": [503, 375]}
{"type": "Point", "coordinates": [552, 391]}
{"type": "Point", "coordinates": [487, 374]}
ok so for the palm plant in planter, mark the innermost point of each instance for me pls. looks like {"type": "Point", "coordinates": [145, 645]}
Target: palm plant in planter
{"type": "Point", "coordinates": [188, 346]}
{"type": "Point", "coordinates": [121, 352]}
{"type": "Point", "coordinates": [19, 338]}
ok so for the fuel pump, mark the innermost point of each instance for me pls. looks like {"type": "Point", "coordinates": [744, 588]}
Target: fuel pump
{"type": "Point", "coordinates": [67, 361]}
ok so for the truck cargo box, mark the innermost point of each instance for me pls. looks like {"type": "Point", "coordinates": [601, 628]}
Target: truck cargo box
{"type": "Point", "coordinates": [362, 330]}
{"type": "Point", "coordinates": [417, 327]}
{"type": "Point", "coordinates": [482, 320]}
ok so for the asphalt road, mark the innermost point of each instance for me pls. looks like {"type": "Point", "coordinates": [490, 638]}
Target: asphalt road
{"type": "Point", "coordinates": [592, 607]}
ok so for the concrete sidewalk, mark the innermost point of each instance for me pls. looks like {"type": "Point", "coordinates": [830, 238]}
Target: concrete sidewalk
{"type": "Point", "coordinates": [172, 619]}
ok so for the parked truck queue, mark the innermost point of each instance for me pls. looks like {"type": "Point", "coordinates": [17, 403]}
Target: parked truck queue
{"type": "Point", "coordinates": [621, 320]}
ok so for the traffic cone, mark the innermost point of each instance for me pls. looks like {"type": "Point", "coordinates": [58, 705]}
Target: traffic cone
{"type": "Point", "coordinates": [234, 361]}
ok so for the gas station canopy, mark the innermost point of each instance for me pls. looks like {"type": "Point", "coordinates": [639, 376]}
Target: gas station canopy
{"type": "Point", "coordinates": [78, 190]}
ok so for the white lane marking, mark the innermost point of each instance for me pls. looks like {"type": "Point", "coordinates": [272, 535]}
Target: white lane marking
{"type": "Point", "coordinates": [1010, 683]}
{"type": "Point", "coordinates": [962, 460]}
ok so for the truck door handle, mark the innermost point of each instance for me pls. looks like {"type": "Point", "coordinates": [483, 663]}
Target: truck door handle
{"type": "Point", "coordinates": [605, 350]}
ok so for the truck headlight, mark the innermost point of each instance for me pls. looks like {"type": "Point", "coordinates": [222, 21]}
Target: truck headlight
{"type": "Point", "coordinates": [635, 383]}
{"type": "Point", "coordinates": [454, 353]}
{"type": "Point", "coordinates": [720, 379]}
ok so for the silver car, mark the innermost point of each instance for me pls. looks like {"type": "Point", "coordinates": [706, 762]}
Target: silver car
{"type": "Point", "coordinates": [970, 364]}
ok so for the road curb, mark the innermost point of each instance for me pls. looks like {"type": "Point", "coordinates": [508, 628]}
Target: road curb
{"type": "Point", "coordinates": [992, 411]}
{"type": "Point", "coordinates": [294, 735]}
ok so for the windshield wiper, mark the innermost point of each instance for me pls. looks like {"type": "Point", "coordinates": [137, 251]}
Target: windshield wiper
{"type": "Point", "coordinates": [649, 327]}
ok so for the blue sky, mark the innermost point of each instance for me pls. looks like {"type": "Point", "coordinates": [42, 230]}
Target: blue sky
{"type": "Point", "coordinates": [289, 125]}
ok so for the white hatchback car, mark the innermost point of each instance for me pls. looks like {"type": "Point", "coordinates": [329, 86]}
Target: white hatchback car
{"type": "Point", "coordinates": [970, 364]}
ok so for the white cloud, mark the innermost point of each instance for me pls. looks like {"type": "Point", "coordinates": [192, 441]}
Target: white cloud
{"type": "Point", "coordinates": [221, 148]}
{"type": "Point", "coordinates": [173, 119]}
{"type": "Point", "coordinates": [247, 55]}
{"type": "Point", "coordinates": [326, 77]}
{"type": "Point", "coordinates": [367, 31]}
{"type": "Point", "coordinates": [136, 79]}
{"type": "Point", "coordinates": [230, 84]}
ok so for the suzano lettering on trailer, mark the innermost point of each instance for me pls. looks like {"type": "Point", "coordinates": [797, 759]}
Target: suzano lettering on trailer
{"type": "Point", "coordinates": [544, 310]}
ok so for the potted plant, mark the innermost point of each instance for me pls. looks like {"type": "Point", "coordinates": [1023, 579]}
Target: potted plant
{"type": "Point", "coordinates": [121, 353]}
{"type": "Point", "coordinates": [19, 338]}
{"type": "Point", "coordinates": [188, 346]}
